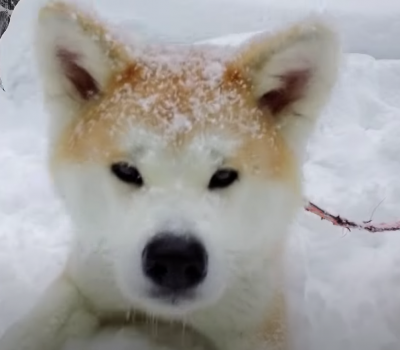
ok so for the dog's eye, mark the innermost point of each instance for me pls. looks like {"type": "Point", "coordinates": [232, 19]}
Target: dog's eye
{"type": "Point", "coordinates": [127, 173]}
{"type": "Point", "coordinates": [223, 178]}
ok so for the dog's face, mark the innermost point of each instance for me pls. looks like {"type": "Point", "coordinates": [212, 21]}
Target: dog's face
{"type": "Point", "coordinates": [180, 165]}
{"type": "Point", "coordinates": [182, 179]}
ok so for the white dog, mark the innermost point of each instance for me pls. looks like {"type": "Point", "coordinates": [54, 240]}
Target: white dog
{"type": "Point", "coordinates": [180, 168]}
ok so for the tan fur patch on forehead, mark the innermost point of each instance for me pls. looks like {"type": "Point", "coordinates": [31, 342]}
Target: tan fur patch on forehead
{"type": "Point", "coordinates": [178, 93]}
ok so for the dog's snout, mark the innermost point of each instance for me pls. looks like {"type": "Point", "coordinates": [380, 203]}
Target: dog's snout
{"type": "Point", "coordinates": [174, 262]}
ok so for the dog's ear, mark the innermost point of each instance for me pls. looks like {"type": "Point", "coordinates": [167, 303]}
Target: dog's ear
{"type": "Point", "coordinates": [291, 75]}
{"type": "Point", "coordinates": [75, 55]}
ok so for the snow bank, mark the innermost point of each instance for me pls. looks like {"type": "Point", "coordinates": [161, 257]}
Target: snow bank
{"type": "Point", "coordinates": [343, 287]}
{"type": "Point", "coordinates": [367, 26]}
{"type": "Point", "coordinates": [351, 279]}
{"type": "Point", "coordinates": [32, 238]}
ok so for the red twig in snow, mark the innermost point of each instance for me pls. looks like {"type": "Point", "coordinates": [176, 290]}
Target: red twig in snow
{"type": "Point", "coordinates": [339, 221]}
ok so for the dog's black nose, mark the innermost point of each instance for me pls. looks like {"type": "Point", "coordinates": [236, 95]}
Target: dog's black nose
{"type": "Point", "coordinates": [175, 263]}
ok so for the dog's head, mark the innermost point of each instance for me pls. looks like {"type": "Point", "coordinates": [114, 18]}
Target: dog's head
{"type": "Point", "coordinates": [180, 164]}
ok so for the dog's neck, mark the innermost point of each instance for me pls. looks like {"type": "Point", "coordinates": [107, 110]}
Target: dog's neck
{"type": "Point", "coordinates": [252, 306]}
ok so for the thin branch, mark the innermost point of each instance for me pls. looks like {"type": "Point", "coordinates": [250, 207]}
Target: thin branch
{"type": "Point", "coordinates": [339, 221]}
{"type": "Point", "coordinates": [373, 212]}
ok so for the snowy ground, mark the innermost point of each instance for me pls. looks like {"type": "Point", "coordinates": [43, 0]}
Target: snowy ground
{"type": "Point", "coordinates": [343, 287]}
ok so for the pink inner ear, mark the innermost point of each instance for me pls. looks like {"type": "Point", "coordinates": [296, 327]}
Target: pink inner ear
{"type": "Point", "coordinates": [293, 86]}
{"type": "Point", "coordinates": [83, 82]}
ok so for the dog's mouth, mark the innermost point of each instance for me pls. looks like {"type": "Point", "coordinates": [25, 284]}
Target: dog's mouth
{"type": "Point", "coordinates": [172, 297]}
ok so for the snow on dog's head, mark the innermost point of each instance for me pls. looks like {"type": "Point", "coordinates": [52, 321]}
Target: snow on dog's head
{"type": "Point", "coordinates": [180, 165]}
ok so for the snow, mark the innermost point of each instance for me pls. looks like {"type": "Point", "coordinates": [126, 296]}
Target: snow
{"type": "Point", "coordinates": [343, 287]}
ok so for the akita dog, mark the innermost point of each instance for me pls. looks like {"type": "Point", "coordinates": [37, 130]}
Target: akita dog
{"type": "Point", "coordinates": [180, 168]}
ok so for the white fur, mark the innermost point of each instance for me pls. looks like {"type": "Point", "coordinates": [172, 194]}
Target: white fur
{"type": "Point", "coordinates": [57, 30]}
{"type": "Point", "coordinates": [241, 227]}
